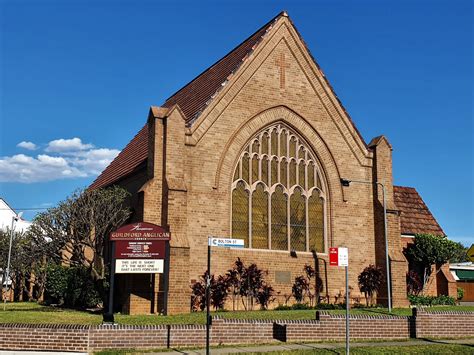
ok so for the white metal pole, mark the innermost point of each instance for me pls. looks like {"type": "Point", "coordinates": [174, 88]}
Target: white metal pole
{"type": "Point", "coordinates": [7, 271]}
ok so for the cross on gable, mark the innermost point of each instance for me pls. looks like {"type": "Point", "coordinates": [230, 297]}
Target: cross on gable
{"type": "Point", "coordinates": [283, 65]}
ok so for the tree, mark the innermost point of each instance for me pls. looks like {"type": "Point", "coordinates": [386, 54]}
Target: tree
{"type": "Point", "coordinates": [370, 280]}
{"type": "Point", "coordinates": [459, 254]}
{"type": "Point", "coordinates": [76, 231]}
{"type": "Point", "coordinates": [428, 250]}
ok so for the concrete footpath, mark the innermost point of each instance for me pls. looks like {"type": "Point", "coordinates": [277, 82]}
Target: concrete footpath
{"type": "Point", "coordinates": [315, 346]}
{"type": "Point", "coordinates": [267, 348]}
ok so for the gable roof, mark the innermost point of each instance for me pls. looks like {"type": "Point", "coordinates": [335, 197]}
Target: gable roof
{"type": "Point", "coordinates": [194, 97]}
{"type": "Point", "coordinates": [415, 217]}
{"type": "Point", "coordinates": [129, 160]}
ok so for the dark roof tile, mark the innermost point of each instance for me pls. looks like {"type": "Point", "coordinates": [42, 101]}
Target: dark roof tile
{"type": "Point", "coordinates": [415, 217]}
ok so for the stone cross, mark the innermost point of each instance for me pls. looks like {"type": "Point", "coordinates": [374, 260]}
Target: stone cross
{"type": "Point", "coordinates": [283, 65]}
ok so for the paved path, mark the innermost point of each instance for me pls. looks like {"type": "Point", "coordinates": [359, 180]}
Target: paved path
{"type": "Point", "coordinates": [286, 347]}
{"type": "Point", "coordinates": [16, 352]}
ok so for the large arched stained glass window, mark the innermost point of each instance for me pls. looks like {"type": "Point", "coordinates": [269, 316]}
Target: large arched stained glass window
{"type": "Point", "coordinates": [278, 194]}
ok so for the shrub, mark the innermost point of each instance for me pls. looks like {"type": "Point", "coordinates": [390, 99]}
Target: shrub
{"type": "Point", "coordinates": [56, 283]}
{"type": "Point", "coordinates": [370, 280]}
{"type": "Point", "coordinates": [431, 300]}
{"type": "Point", "coordinates": [460, 293]}
{"type": "Point", "coordinates": [198, 295]}
{"type": "Point", "coordinates": [327, 306]}
{"type": "Point", "coordinates": [219, 291]}
{"type": "Point", "coordinates": [299, 288]}
{"type": "Point", "coordinates": [71, 286]}
{"type": "Point", "coordinates": [282, 308]}
{"type": "Point", "coordinates": [300, 306]}
{"type": "Point", "coordinates": [265, 296]}
{"type": "Point", "coordinates": [81, 291]}
{"type": "Point", "coordinates": [414, 284]}
{"type": "Point", "coordinates": [248, 282]}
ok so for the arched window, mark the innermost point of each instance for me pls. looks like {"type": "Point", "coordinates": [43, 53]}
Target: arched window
{"type": "Point", "coordinates": [278, 194]}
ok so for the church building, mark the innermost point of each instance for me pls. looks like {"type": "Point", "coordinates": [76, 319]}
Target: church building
{"type": "Point", "coordinates": [255, 148]}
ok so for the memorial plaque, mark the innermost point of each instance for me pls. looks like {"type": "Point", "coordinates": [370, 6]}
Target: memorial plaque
{"type": "Point", "coordinates": [283, 277]}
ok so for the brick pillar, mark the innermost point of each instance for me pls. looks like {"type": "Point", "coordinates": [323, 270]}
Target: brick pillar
{"type": "Point", "coordinates": [382, 173]}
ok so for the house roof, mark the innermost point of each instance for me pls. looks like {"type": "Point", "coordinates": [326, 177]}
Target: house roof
{"type": "Point", "coordinates": [415, 217]}
{"type": "Point", "coordinates": [192, 99]}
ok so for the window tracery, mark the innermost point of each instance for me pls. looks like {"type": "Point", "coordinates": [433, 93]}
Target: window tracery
{"type": "Point", "coordinates": [278, 198]}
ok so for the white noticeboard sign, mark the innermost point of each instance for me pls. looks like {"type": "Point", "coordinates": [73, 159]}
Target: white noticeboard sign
{"type": "Point", "coordinates": [343, 257]}
{"type": "Point", "coordinates": [226, 242]}
{"type": "Point", "coordinates": [139, 266]}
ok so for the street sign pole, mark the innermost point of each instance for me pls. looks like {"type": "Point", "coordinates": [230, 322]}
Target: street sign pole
{"type": "Point", "coordinates": [340, 257]}
{"type": "Point", "coordinates": [347, 310]}
{"type": "Point", "coordinates": [208, 294]}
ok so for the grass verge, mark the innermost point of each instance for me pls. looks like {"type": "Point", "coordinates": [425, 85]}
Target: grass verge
{"type": "Point", "coordinates": [30, 312]}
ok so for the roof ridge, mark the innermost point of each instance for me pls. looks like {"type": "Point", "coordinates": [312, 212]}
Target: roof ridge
{"type": "Point", "coordinates": [196, 95]}
{"type": "Point", "coordinates": [282, 13]}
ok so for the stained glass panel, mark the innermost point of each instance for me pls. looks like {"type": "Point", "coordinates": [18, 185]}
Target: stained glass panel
{"type": "Point", "coordinates": [254, 169]}
{"type": "Point", "coordinates": [260, 218]}
{"type": "Point", "coordinates": [255, 147]}
{"type": "Point", "coordinates": [283, 172]}
{"type": "Point", "coordinates": [301, 177]}
{"type": "Point", "coordinates": [274, 171]}
{"type": "Point", "coordinates": [265, 143]}
{"type": "Point", "coordinates": [245, 168]}
{"type": "Point", "coordinates": [316, 222]}
{"type": "Point", "coordinates": [274, 142]}
{"type": "Point", "coordinates": [279, 220]}
{"type": "Point", "coordinates": [292, 152]}
{"type": "Point", "coordinates": [310, 175]}
{"type": "Point", "coordinates": [297, 221]}
{"type": "Point", "coordinates": [283, 144]}
{"type": "Point", "coordinates": [240, 213]}
{"type": "Point", "coordinates": [265, 170]}
{"type": "Point", "coordinates": [292, 167]}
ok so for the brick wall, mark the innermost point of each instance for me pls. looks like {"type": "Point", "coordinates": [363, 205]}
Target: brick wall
{"type": "Point", "coordinates": [444, 324]}
{"type": "Point", "coordinates": [44, 337]}
{"type": "Point", "coordinates": [230, 331]}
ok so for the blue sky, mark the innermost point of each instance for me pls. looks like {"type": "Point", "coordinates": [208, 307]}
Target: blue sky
{"type": "Point", "coordinates": [77, 79]}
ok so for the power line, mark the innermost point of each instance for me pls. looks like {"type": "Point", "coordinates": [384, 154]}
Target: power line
{"type": "Point", "coordinates": [25, 209]}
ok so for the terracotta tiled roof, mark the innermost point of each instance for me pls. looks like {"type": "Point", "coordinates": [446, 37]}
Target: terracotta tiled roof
{"type": "Point", "coordinates": [197, 94]}
{"type": "Point", "coordinates": [192, 99]}
{"type": "Point", "coordinates": [415, 216]}
{"type": "Point", "coordinates": [128, 160]}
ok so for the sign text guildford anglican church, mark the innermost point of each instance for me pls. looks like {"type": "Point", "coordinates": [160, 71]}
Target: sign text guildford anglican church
{"type": "Point", "coordinates": [139, 248]}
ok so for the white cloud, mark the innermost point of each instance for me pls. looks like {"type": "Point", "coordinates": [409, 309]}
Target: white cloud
{"type": "Point", "coordinates": [67, 145]}
{"type": "Point", "coordinates": [72, 159]}
{"type": "Point", "coordinates": [27, 145]}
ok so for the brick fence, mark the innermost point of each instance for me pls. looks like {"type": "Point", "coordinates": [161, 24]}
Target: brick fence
{"type": "Point", "coordinates": [230, 331]}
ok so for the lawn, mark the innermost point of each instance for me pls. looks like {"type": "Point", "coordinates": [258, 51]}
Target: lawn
{"type": "Point", "coordinates": [30, 312]}
{"type": "Point", "coordinates": [418, 349]}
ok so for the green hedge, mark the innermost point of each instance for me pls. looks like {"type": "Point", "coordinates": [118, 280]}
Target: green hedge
{"type": "Point", "coordinates": [71, 287]}
{"type": "Point", "coordinates": [431, 300]}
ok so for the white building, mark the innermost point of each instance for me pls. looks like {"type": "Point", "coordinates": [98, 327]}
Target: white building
{"type": "Point", "coordinates": [6, 215]}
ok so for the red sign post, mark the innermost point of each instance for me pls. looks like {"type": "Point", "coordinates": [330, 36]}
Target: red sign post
{"type": "Point", "coordinates": [340, 257]}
